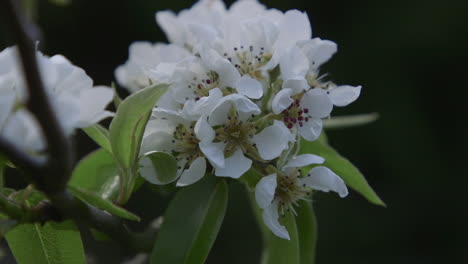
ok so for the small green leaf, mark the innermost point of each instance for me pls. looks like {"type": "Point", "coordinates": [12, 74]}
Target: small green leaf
{"type": "Point", "coordinates": [307, 231]}
{"type": "Point", "coordinates": [103, 204]}
{"type": "Point", "coordinates": [100, 135]}
{"type": "Point", "coordinates": [191, 223]}
{"type": "Point", "coordinates": [117, 99]}
{"type": "Point", "coordinates": [126, 129]}
{"type": "Point", "coordinates": [343, 168]}
{"type": "Point", "coordinates": [162, 169]}
{"type": "Point", "coordinates": [350, 121]}
{"type": "Point", "coordinates": [98, 173]}
{"type": "Point", "coordinates": [52, 243]}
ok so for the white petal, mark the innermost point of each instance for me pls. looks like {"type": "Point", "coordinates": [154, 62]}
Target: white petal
{"type": "Point", "coordinates": [92, 104]}
{"type": "Point", "coordinates": [294, 64]}
{"type": "Point", "coordinates": [228, 74]}
{"type": "Point", "coordinates": [157, 141]}
{"type": "Point", "coordinates": [318, 103]}
{"type": "Point", "coordinates": [214, 152]}
{"type": "Point", "coordinates": [270, 218]}
{"type": "Point", "coordinates": [171, 26]}
{"type": "Point", "coordinates": [23, 131]}
{"type": "Point", "coordinates": [220, 112]}
{"type": "Point", "coordinates": [250, 87]}
{"type": "Point", "coordinates": [245, 108]}
{"type": "Point", "coordinates": [294, 27]}
{"type": "Point", "coordinates": [311, 129]}
{"type": "Point", "coordinates": [304, 160]}
{"type": "Point", "coordinates": [203, 130]}
{"type": "Point", "coordinates": [323, 179]}
{"type": "Point", "coordinates": [234, 166]}
{"type": "Point", "coordinates": [68, 112]}
{"type": "Point", "coordinates": [318, 51]}
{"type": "Point", "coordinates": [298, 84]}
{"type": "Point", "coordinates": [282, 101]}
{"type": "Point", "coordinates": [272, 140]}
{"type": "Point", "coordinates": [193, 110]}
{"type": "Point", "coordinates": [195, 172]}
{"type": "Point", "coordinates": [343, 95]}
{"type": "Point", "coordinates": [265, 191]}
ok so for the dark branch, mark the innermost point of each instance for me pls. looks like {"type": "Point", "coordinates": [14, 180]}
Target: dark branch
{"type": "Point", "coordinates": [92, 217]}
{"type": "Point", "coordinates": [59, 147]}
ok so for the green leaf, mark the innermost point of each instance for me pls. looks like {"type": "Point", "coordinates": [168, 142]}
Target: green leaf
{"type": "Point", "coordinates": [342, 167]}
{"type": "Point", "coordinates": [191, 223]}
{"type": "Point", "coordinates": [98, 173]}
{"type": "Point", "coordinates": [128, 125]}
{"type": "Point", "coordinates": [100, 135]}
{"type": "Point", "coordinates": [103, 204]}
{"type": "Point", "coordinates": [52, 243]}
{"type": "Point", "coordinates": [307, 232]}
{"type": "Point", "coordinates": [164, 168]}
{"type": "Point", "coordinates": [117, 99]}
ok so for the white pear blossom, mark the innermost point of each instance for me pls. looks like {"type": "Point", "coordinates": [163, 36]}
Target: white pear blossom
{"type": "Point", "coordinates": [76, 102]}
{"type": "Point", "coordinates": [279, 192]}
{"type": "Point", "coordinates": [149, 64]}
{"type": "Point", "coordinates": [174, 132]}
{"type": "Point", "coordinates": [231, 136]}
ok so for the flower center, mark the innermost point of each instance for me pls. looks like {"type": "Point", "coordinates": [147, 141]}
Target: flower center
{"type": "Point", "coordinates": [289, 191]}
{"type": "Point", "coordinates": [201, 86]}
{"type": "Point", "coordinates": [295, 114]}
{"type": "Point", "coordinates": [185, 144]}
{"type": "Point", "coordinates": [249, 60]}
{"type": "Point", "coordinates": [237, 134]}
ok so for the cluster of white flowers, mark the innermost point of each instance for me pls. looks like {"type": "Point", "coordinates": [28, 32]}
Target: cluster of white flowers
{"type": "Point", "coordinates": [70, 91]}
{"type": "Point", "coordinates": [245, 88]}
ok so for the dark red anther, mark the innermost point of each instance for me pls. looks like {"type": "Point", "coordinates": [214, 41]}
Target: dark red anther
{"type": "Point", "coordinates": [290, 125]}
{"type": "Point", "coordinates": [300, 112]}
{"type": "Point", "coordinates": [286, 119]}
{"type": "Point", "coordinates": [307, 119]}
{"type": "Point", "coordinates": [300, 118]}
{"type": "Point", "coordinates": [199, 86]}
{"type": "Point", "coordinates": [208, 81]}
{"type": "Point", "coordinates": [293, 120]}
{"type": "Point", "coordinates": [301, 124]}
{"type": "Point", "coordinates": [306, 110]}
{"type": "Point", "coordinates": [197, 98]}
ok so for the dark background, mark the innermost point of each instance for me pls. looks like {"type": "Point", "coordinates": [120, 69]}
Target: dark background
{"type": "Point", "coordinates": [409, 56]}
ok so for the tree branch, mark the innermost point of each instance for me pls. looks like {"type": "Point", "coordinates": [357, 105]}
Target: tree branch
{"type": "Point", "coordinates": [59, 150]}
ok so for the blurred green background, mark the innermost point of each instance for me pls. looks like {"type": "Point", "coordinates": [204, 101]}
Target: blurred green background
{"type": "Point", "coordinates": [411, 59]}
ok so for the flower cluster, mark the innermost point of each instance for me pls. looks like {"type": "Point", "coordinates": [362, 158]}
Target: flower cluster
{"type": "Point", "coordinates": [77, 103]}
{"type": "Point", "coordinates": [244, 88]}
